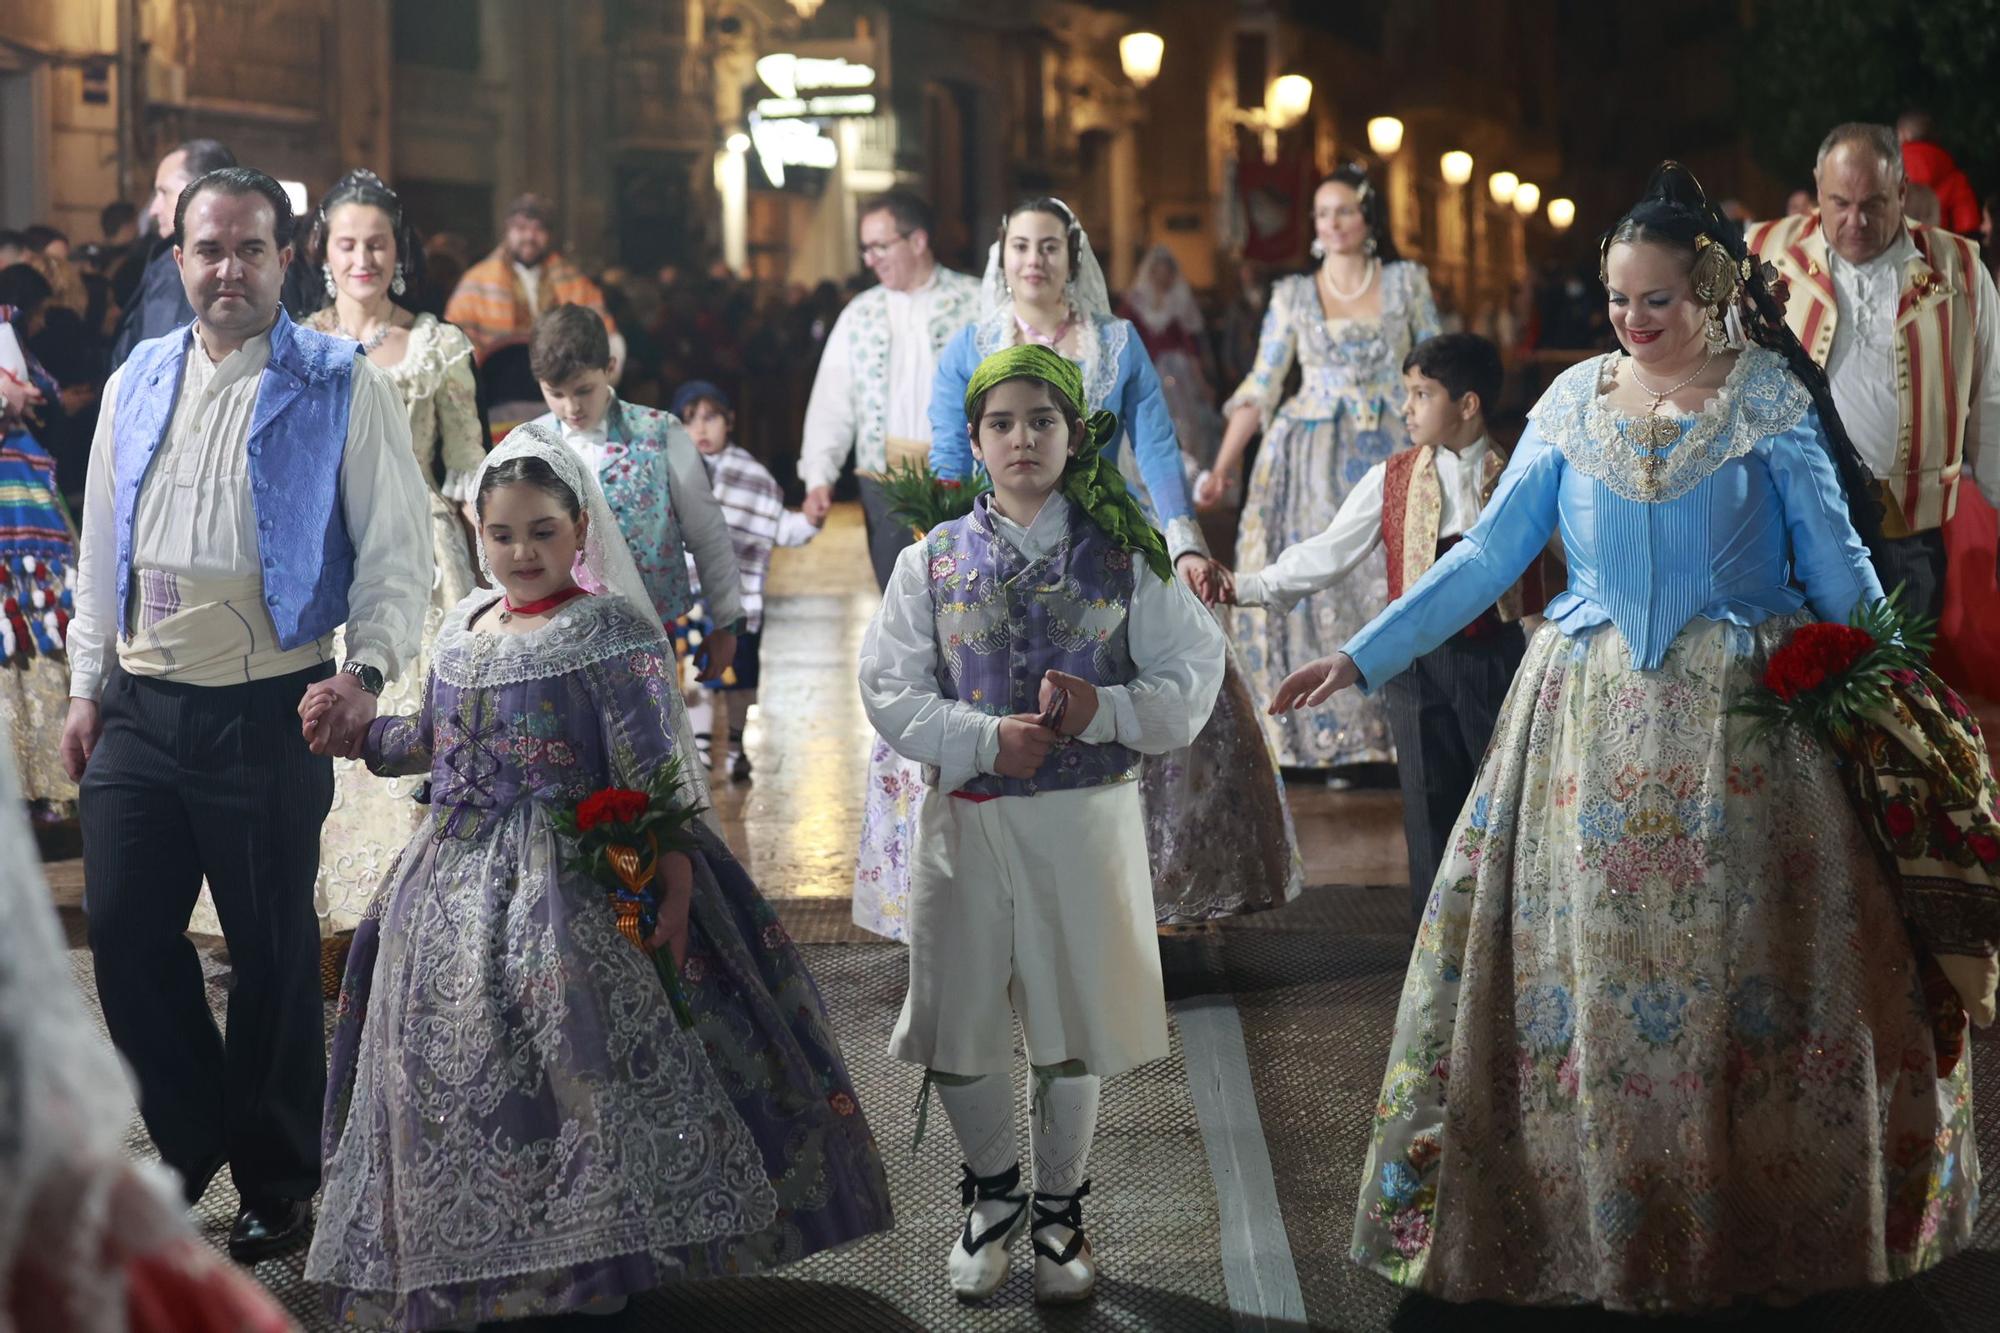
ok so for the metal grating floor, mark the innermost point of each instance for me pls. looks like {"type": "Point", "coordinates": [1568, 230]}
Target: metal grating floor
{"type": "Point", "coordinates": [1151, 1212]}
{"type": "Point", "coordinates": [1316, 985]}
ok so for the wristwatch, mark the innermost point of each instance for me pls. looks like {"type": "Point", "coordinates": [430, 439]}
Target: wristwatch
{"type": "Point", "coordinates": [370, 677]}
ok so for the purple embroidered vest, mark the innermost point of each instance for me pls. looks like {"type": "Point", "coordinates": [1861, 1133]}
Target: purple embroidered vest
{"type": "Point", "coordinates": [1003, 620]}
{"type": "Point", "coordinates": [298, 437]}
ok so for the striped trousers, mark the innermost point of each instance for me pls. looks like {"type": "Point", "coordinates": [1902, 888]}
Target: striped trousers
{"type": "Point", "coordinates": [1441, 713]}
{"type": "Point", "coordinates": [189, 782]}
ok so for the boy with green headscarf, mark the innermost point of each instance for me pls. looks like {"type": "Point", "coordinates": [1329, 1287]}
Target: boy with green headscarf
{"type": "Point", "coordinates": [1027, 654]}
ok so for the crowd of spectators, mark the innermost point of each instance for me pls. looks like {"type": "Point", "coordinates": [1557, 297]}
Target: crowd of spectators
{"type": "Point", "coordinates": [81, 304]}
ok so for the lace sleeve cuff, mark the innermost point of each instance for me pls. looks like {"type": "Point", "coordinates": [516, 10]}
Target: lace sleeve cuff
{"type": "Point", "coordinates": [1184, 536]}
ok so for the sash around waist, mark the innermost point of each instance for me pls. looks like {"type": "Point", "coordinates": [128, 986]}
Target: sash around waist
{"type": "Point", "coordinates": [207, 631]}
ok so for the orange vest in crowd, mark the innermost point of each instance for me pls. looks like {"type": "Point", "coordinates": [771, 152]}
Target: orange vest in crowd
{"type": "Point", "coordinates": [1935, 355]}
{"type": "Point", "coordinates": [1412, 510]}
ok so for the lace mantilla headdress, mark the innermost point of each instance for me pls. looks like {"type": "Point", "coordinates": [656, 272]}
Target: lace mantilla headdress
{"type": "Point", "coordinates": [1088, 295]}
{"type": "Point", "coordinates": [605, 563]}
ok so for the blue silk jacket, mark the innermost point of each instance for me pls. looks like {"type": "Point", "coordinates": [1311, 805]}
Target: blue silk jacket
{"type": "Point", "coordinates": [1735, 516]}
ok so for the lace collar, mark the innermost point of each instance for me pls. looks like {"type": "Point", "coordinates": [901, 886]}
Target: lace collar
{"type": "Point", "coordinates": [583, 633]}
{"type": "Point", "coordinates": [1657, 457]}
{"type": "Point", "coordinates": [1101, 343]}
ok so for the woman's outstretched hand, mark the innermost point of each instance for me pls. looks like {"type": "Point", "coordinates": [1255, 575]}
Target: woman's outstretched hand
{"type": "Point", "coordinates": [1314, 683]}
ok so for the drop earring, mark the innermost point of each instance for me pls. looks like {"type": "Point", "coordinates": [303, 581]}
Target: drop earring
{"type": "Point", "coordinates": [1369, 247]}
{"type": "Point", "coordinates": [326, 272]}
{"type": "Point", "coordinates": [1318, 248]}
{"type": "Point", "coordinates": [396, 284]}
{"type": "Point", "coordinates": [1716, 333]}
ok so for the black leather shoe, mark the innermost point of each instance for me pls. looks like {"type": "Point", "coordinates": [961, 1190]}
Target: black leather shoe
{"type": "Point", "coordinates": [268, 1230]}
{"type": "Point", "coordinates": [195, 1184]}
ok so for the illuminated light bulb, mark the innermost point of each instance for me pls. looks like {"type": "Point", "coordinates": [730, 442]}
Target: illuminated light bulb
{"type": "Point", "coordinates": [1385, 135]}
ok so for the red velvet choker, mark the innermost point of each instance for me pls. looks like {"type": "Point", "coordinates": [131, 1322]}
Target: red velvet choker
{"type": "Point", "coordinates": [508, 610]}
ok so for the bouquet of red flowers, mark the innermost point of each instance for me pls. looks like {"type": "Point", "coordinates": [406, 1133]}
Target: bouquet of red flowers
{"type": "Point", "coordinates": [923, 499]}
{"type": "Point", "coordinates": [1826, 679]}
{"type": "Point", "coordinates": [1916, 769]}
{"type": "Point", "coordinates": [619, 834]}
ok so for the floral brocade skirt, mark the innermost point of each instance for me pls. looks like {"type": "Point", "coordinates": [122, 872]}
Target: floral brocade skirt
{"type": "Point", "coordinates": [34, 704]}
{"type": "Point", "coordinates": [1664, 980]}
{"type": "Point", "coordinates": [1304, 469]}
{"type": "Point", "coordinates": [371, 818]}
{"type": "Point", "coordinates": [1219, 832]}
{"type": "Point", "coordinates": [515, 1123]}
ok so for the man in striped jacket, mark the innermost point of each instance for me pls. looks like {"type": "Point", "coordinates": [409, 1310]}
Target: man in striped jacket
{"type": "Point", "coordinates": [1902, 315]}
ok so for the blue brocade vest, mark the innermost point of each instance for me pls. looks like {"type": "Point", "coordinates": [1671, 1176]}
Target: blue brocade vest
{"type": "Point", "coordinates": [298, 437]}
{"type": "Point", "coordinates": [1002, 621]}
{"type": "Point", "coordinates": [637, 477]}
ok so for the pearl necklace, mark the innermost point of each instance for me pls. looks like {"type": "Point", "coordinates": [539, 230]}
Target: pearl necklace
{"type": "Point", "coordinates": [1367, 281]}
{"type": "Point", "coordinates": [1662, 395]}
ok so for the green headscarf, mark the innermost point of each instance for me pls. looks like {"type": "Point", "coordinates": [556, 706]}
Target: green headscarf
{"type": "Point", "coordinates": [1091, 481]}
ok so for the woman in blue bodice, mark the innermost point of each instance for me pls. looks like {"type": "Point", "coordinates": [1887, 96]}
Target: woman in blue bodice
{"type": "Point", "coordinates": [1044, 286]}
{"type": "Point", "coordinates": [1662, 973]}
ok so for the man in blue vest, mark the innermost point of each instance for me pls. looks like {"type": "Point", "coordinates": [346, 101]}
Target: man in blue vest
{"type": "Point", "coordinates": [251, 489]}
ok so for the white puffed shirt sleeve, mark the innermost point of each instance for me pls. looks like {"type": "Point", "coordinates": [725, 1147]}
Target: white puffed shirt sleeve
{"type": "Point", "coordinates": [1178, 651]}
{"type": "Point", "coordinates": [1982, 427]}
{"type": "Point", "coordinates": [387, 506]}
{"type": "Point", "coordinates": [704, 529]}
{"type": "Point", "coordinates": [94, 578]}
{"type": "Point", "coordinates": [899, 683]}
{"type": "Point", "coordinates": [1326, 557]}
{"type": "Point", "coordinates": [828, 436]}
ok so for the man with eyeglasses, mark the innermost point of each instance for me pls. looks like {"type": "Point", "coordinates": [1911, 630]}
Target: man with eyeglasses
{"type": "Point", "coordinates": [873, 391]}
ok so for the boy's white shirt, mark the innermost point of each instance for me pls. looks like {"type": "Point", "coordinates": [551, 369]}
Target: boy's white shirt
{"type": "Point", "coordinates": [1175, 644]}
{"type": "Point", "coordinates": [704, 529]}
{"type": "Point", "coordinates": [1320, 561]}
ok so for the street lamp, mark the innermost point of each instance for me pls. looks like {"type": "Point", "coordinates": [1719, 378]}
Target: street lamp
{"type": "Point", "coordinates": [1140, 53]}
{"type": "Point", "coordinates": [1456, 166]}
{"type": "Point", "coordinates": [1501, 185]}
{"type": "Point", "coordinates": [1527, 198]}
{"type": "Point", "coordinates": [1562, 212]}
{"type": "Point", "coordinates": [1286, 102]}
{"type": "Point", "coordinates": [738, 142]}
{"type": "Point", "coordinates": [1288, 99]}
{"type": "Point", "coordinates": [1385, 135]}
{"type": "Point", "coordinates": [807, 8]}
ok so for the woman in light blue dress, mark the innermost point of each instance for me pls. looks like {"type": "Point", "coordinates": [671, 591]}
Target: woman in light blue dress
{"type": "Point", "coordinates": [1218, 828]}
{"type": "Point", "coordinates": [1663, 975]}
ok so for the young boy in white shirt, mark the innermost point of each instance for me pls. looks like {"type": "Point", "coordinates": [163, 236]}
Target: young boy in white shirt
{"type": "Point", "coordinates": [1417, 503]}
{"type": "Point", "coordinates": [1028, 654]}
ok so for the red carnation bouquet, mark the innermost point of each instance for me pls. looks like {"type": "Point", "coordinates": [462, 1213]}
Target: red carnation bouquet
{"type": "Point", "coordinates": [1826, 679]}
{"type": "Point", "coordinates": [1916, 769]}
{"type": "Point", "coordinates": [620, 835]}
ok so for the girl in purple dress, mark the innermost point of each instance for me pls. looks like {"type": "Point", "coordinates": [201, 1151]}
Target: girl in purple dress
{"type": "Point", "coordinates": [516, 1124]}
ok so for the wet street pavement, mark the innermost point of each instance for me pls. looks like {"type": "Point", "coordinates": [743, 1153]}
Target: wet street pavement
{"type": "Point", "coordinates": [1224, 1178]}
